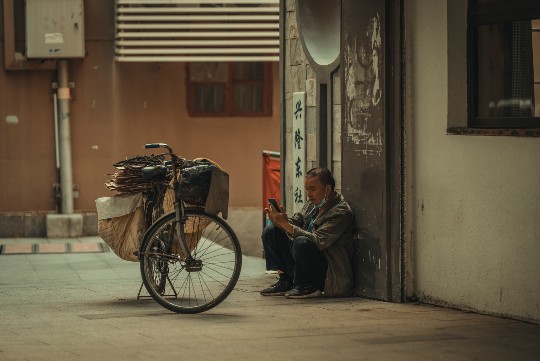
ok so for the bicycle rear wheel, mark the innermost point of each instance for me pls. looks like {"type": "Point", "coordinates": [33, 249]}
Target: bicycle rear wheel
{"type": "Point", "coordinates": [185, 287]}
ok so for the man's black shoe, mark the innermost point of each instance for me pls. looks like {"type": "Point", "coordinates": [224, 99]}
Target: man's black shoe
{"type": "Point", "coordinates": [279, 289]}
{"type": "Point", "coordinates": [304, 292]}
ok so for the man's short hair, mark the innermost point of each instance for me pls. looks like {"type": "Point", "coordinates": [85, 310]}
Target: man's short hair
{"type": "Point", "coordinates": [325, 176]}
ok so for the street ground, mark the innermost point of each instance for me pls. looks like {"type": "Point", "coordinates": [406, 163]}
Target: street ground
{"type": "Point", "coordinates": [79, 302]}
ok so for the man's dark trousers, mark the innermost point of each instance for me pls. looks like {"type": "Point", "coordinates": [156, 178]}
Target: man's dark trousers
{"type": "Point", "coordinates": [300, 259]}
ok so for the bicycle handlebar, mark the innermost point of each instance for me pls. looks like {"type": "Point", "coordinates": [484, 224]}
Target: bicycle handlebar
{"type": "Point", "coordinates": [158, 145]}
{"type": "Point", "coordinates": [153, 145]}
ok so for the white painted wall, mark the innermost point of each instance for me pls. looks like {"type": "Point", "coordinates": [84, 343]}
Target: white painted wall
{"type": "Point", "coordinates": [475, 199]}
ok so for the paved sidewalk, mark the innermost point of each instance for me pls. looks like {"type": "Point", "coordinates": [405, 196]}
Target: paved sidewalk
{"type": "Point", "coordinates": [12, 246]}
{"type": "Point", "coordinates": [83, 306]}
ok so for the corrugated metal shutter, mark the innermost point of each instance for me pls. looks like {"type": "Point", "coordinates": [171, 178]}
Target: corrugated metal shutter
{"type": "Point", "coordinates": [197, 31]}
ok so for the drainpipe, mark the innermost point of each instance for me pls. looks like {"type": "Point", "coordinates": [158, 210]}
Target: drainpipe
{"type": "Point", "coordinates": [66, 171]}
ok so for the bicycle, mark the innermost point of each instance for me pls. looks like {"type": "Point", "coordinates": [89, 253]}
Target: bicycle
{"type": "Point", "coordinates": [190, 260]}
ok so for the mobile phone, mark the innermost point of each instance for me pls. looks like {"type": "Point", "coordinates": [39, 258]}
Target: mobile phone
{"type": "Point", "coordinates": [274, 204]}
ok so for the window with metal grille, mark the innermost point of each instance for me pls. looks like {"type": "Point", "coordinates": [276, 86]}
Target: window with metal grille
{"type": "Point", "coordinates": [504, 64]}
{"type": "Point", "coordinates": [197, 30]}
{"type": "Point", "coordinates": [229, 89]}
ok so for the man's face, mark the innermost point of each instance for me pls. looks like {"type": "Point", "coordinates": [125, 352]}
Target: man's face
{"type": "Point", "coordinates": [315, 189]}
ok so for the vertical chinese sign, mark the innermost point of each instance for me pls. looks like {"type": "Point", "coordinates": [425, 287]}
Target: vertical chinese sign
{"type": "Point", "coordinates": [299, 149]}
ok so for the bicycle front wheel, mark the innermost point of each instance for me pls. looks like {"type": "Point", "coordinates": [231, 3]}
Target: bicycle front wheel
{"type": "Point", "coordinates": [190, 286]}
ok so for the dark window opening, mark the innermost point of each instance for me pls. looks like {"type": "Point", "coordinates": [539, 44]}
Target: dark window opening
{"type": "Point", "coordinates": [229, 89]}
{"type": "Point", "coordinates": [504, 64]}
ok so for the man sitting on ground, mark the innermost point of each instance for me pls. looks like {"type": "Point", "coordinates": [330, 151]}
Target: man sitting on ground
{"type": "Point", "coordinates": [313, 249]}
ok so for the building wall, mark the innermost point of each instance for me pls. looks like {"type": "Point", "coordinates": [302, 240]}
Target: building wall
{"type": "Point", "coordinates": [476, 199]}
{"type": "Point", "coordinates": [472, 201]}
{"type": "Point", "coordinates": [116, 109]}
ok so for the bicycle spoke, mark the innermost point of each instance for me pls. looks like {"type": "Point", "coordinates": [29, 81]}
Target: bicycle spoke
{"type": "Point", "coordinates": [201, 280]}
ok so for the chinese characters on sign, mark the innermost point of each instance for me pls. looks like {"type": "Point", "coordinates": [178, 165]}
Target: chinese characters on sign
{"type": "Point", "coordinates": [299, 149]}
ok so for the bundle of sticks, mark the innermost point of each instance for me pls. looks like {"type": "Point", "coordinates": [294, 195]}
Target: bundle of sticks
{"type": "Point", "coordinates": [128, 177]}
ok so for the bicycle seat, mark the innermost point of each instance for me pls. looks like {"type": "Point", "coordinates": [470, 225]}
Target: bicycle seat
{"type": "Point", "coordinates": [155, 173]}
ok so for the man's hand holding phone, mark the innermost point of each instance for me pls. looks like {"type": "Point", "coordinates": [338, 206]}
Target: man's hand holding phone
{"type": "Point", "coordinates": [278, 216]}
{"type": "Point", "coordinates": [274, 204]}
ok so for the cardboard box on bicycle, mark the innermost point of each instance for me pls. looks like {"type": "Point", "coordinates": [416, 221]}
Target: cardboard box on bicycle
{"type": "Point", "coordinates": [206, 185]}
{"type": "Point", "coordinates": [214, 201]}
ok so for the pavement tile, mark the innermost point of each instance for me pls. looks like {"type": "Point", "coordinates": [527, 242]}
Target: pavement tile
{"type": "Point", "coordinates": [51, 248]}
{"type": "Point", "coordinates": [22, 246]}
{"type": "Point", "coordinates": [18, 249]}
{"type": "Point", "coordinates": [85, 247]}
{"type": "Point", "coordinates": [61, 240]}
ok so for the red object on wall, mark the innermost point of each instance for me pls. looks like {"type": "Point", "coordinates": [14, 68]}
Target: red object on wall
{"type": "Point", "coordinates": [271, 176]}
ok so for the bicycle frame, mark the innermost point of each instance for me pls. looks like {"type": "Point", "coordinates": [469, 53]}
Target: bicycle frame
{"type": "Point", "coordinates": [178, 205]}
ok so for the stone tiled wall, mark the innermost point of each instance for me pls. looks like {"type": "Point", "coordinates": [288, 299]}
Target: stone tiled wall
{"type": "Point", "coordinates": [299, 76]}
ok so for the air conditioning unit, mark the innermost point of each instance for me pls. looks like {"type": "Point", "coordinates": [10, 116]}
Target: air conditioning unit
{"type": "Point", "coordinates": [55, 29]}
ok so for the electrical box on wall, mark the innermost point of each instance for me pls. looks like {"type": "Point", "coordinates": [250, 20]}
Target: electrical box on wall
{"type": "Point", "coordinates": [55, 29]}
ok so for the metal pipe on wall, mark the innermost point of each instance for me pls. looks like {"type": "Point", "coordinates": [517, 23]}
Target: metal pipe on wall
{"type": "Point", "coordinates": [56, 146]}
{"type": "Point", "coordinates": [66, 170]}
